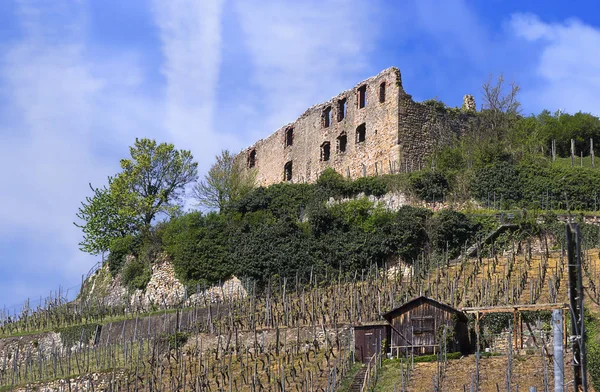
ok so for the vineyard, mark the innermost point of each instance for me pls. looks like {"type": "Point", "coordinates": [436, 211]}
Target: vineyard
{"type": "Point", "coordinates": [291, 335]}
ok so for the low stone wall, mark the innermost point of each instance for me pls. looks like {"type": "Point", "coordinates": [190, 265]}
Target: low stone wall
{"type": "Point", "coordinates": [500, 343]}
{"type": "Point", "coordinates": [99, 382]}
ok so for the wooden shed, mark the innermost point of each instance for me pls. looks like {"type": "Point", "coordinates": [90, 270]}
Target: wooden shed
{"type": "Point", "coordinates": [371, 338]}
{"type": "Point", "coordinates": [419, 324]}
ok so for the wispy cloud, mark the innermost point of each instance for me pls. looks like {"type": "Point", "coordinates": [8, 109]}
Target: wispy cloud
{"type": "Point", "coordinates": [67, 113]}
{"type": "Point", "coordinates": [191, 38]}
{"type": "Point", "coordinates": [565, 74]}
{"type": "Point", "coordinates": [304, 52]}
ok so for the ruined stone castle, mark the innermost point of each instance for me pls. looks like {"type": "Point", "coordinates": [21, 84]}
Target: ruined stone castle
{"type": "Point", "coordinates": [375, 128]}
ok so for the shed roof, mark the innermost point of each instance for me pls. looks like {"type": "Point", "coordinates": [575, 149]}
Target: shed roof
{"type": "Point", "coordinates": [372, 324]}
{"type": "Point", "coordinates": [404, 307]}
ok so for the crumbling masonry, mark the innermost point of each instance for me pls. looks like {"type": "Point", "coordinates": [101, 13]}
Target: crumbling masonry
{"type": "Point", "coordinates": [375, 128]}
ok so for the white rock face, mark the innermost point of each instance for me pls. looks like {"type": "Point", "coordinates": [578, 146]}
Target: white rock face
{"type": "Point", "coordinates": [164, 289]}
{"type": "Point", "coordinates": [231, 289]}
{"type": "Point", "coordinates": [391, 201]}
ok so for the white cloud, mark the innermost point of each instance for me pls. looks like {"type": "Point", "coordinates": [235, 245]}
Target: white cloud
{"type": "Point", "coordinates": [191, 36]}
{"type": "Point", "coordinates": [566, 69]}
{"type": "Point", "coordinates": [304, 52]}
{"type": "Point", "coordinates": [68, 115]}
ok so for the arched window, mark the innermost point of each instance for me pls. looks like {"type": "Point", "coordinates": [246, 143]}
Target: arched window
{"type": "Point", "coordinates": [287, 171]}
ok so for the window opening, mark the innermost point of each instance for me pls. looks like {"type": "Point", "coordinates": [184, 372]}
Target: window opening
{"type": "Point", "coordinates": [362, 96]}
{"type": "Point", "coordinates": [289, 137]}
{"type": "Point", "coordinates": [252, 159]}
{"type": "Point", "coordinates": [327, 117]}
{"type": "Point", "coordinates": [342, 141]}
{"type": "Point", "coordinates": [361, 133]}
{"type": "Point", "coordinates": [342, 109]}
{"type": "Point", "coordinates": [382, 92]}
{"type": "Point", "coordinates": [325, 151]}
{"type": "Point", "coordinates": [287, 171]}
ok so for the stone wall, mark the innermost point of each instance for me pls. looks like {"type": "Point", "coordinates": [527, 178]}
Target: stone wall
{"type": "Point", "coordinates": [310, 132]}
{"type": "Point", "coordinates": [396, 131]}
{"type": "Point", "coordinates": [425, 128]}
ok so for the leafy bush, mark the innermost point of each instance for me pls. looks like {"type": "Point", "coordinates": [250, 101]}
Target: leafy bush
{"type": "Point", "coordinates": [199, 247]}
{"type": "Point", "coordinates": [136, 274]}
{"type": "Point", "coordinates": [119, 248]}
{"type": "Point", "coordinates": [375, 186]}
{"type": "Point", "coordinates": [332, 182]}
{"type": "Point", "coordinates": [279, 200]}
{"type": "Point", "coordinates": [451, 230]}
{"type": "Point", "coordinates": [72, 335]}
{"type": "Point", "coordinates": [178, 339]}
{"type": "Point", "coordinates": [501, 181]}
{"type": "Point", "coordinates": [429, 185]}
{"type": "Point", "coordinates": [265, 249]}
{"type": "Point", "coordinates": [450, 159]}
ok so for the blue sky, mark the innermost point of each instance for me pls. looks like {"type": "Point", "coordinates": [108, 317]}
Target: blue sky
{"type": "Point", "coordinates": [80, 80]}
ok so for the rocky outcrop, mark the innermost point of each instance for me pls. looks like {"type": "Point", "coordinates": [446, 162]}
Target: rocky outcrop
{"type": "Point", "coordinates": [164, 290]}
{"type": "Point", "coordinates": [231, 289]}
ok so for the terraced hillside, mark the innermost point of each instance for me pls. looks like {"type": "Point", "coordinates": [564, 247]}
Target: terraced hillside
{"type": "Point", "coordinates": [282, 339]}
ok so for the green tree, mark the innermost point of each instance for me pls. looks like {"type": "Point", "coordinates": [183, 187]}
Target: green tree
{"type": "Point", "coordinates": [153, 181]}
{"type": "Point", "coordinates": [225, 181]}
{"type": "Point", "coordinates": [101, 221]}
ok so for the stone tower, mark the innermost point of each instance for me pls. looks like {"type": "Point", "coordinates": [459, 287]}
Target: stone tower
{"type": "Point", "coordinates": [469, 103]}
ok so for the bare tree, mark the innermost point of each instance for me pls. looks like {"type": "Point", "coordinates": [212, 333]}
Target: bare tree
{"type": "Point", "coordinates": [500, 103]}
{"type": "Point", "coordinates": [225, 181]}
{"type": "Point", "coordinates": [497, 100]}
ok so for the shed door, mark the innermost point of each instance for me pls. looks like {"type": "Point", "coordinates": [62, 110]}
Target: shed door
{"type": "Point", "coordinates": [372, 339]}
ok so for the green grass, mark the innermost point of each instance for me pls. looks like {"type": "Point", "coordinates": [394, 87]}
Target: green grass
{"type": "Point", "coordinates": [347, 381]}
{"type": "Point", "coordinates": [587, 162]}
{"type": "Point", "coordinates": [388, 378]}
{"type": "Point", "coordinates": [593, 347]}
{"type": "Point", "coordinates": [92, 320]}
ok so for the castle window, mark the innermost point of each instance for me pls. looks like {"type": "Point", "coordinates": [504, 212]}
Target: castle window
{"type": "Point", "coordinates": [361, 133]}
{"type": "Point", "coordinates": [341, 109]}
{"type": "Point", "coordinates": [289, 137]}
{"type": "Point", "coordinates": [252, 159]}
{"type": "Point", "coordinates": [342, 141]}
{"type": "Point", "coordinates": [362, 96]}
{"type": "Point", "coordinates": [287, 171]}
{"type": "Point", "coordinates": [325, 151]}
{"type": "Point", "coordinates": [327, 117]}
{"type": "Point", "coordinates": [382, 92]}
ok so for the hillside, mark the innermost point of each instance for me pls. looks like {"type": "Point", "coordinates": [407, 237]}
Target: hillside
{"type": "Point", "coordinates": [264, 293]}
{"type": "Point", "coordinates": [285, 337]}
